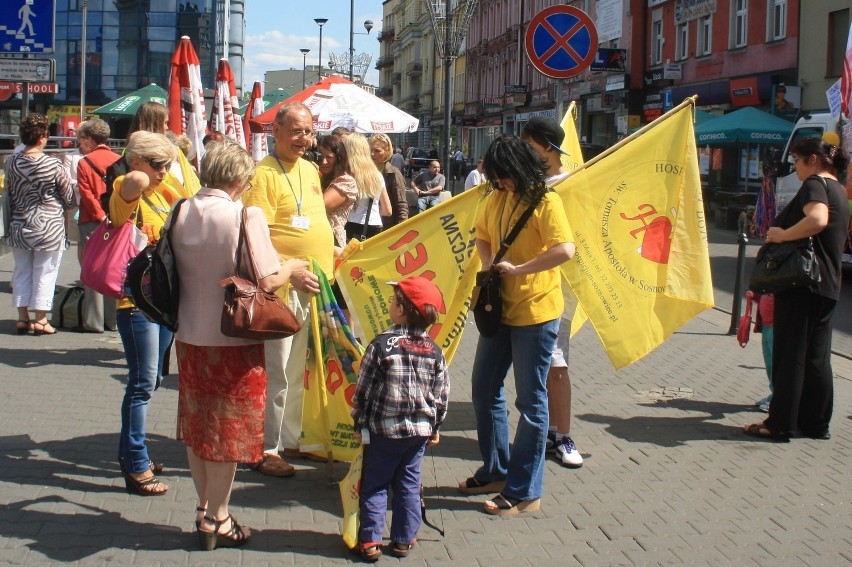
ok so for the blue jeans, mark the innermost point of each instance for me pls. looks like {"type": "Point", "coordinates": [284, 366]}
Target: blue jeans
{"type": "Point", "coordinates": [145, 345]}
{"type": "Point", "coordinates": [393, 463]}
{"type": "Point", "coordinates": [528, 349]}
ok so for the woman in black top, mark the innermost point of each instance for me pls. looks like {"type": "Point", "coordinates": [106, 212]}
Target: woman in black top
{"type": "Point", "coordinates": [803, 391]}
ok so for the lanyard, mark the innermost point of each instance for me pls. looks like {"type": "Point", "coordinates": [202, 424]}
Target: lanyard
{"type": "Point", "coordinates": [293, 191]}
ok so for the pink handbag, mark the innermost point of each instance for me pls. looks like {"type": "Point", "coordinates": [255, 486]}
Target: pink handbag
{"type": "Point", "coordinates": [108, 251]}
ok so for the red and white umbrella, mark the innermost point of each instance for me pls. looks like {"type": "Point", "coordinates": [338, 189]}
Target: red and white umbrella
{"type": "Point", "coordinates": [336, 101]}
{"type": "Point", "coordinates": [222, 116]}
{"type": "Point", "coordinates": [186, 98]}
{"type": "Point", "coordinates": [255, 143]}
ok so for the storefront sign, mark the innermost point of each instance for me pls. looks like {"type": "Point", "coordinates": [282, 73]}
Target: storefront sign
{"type": "Point", "coordinates": [527, 116]}
{"type": "Point", "coordinates": [616, 82]}
{"type": "Point", "coordinates": [744, 92]}
{"type": "Point", "coordinates": [672, 71]}
{"type": "Point", "coordinates": [515, 100]}
{"type": "Point", "coordinates": [610, 60]}
{"type": "Point", "coordinates": [686, 10]}
{"type": "Point", "coordinates": [515, 89]}
{"type": "Point", "coordinates": [491, 104]}
{"type": "Point", "coordinates": [656, 78]}
{"type": "Point", "coordinates": [9, 89]}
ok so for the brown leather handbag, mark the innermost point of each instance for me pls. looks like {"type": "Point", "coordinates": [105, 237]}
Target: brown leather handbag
{"type": "Point", "coordinates": [249, 312]}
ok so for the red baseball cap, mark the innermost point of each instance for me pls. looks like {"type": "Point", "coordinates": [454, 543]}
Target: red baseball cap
{"type": "Point", "coordinates": [421, 292]}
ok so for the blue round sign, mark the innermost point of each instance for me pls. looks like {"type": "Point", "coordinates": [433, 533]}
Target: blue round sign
{"type": "Point", "coordinates": [561, 41]}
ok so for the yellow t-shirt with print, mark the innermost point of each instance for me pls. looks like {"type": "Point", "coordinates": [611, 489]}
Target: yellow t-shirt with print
{"type": "Point", "coordinates": [191, 184]}
{"type": "Point", "coordinates": [534, 298]}
{"type": "Point", "coordinates": [290, 196]}
{"type": "Point", "coordinates": [162, 197]}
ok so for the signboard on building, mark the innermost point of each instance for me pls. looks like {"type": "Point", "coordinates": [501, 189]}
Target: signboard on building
{"type": "Point", "coordinates": [686, 10]}
{"type": "Point", "coordinates": [27, 26]}
{"type": "Point", "coordinates": [614, 60]}
{"type": "Point", "coordinates": [672, 70]}
{"type": "Point", "coordinates": [608, 15]}
{"type": "Point", "coordinates": [27, 70]}
{"type": "Point", "coordinates": [491, 104]}
{"type": "Point", "coordinates": [10, 89]}
{"type": "Point", "coordinates": [616, 83]}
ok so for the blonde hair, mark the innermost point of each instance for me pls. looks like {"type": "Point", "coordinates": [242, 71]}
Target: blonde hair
{"type": "Point", "coordinates": [383, 140]}
{"type": "Point", "coordinates": [361, 166]}
{"type": "Point", "coordinates": [150, 146]}
{"type": "Point", "coordinates": [224, 164]}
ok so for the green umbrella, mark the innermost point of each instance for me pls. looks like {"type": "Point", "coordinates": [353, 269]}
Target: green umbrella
{"type": "Point", "coordinates": [129, 103]}
{"type": "Point", "coordinates": [269, 100]}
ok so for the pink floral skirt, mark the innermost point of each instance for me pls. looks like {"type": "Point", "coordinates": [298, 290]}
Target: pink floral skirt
{"type": "Point", "coordinates": [221, 399]}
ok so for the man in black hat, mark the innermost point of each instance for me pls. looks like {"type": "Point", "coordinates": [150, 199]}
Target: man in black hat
{"type": "Point", "coordinates": [545, 135]}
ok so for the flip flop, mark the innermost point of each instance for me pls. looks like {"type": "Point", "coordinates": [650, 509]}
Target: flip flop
{"type": "Point", "coordinates": [762, 431]}
{"type": "Point", "coordinates": [473, 486]}
{"type": "Point", "coordinates": [502, 505]}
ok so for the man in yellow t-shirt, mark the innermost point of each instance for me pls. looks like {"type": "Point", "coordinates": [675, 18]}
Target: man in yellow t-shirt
{"type": "Point", "coordinates": [288, 191]}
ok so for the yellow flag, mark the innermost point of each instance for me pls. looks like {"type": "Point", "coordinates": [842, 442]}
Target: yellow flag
{"type": "Point", "coordinates": [438, 244]}
{"type": "Point", "coordinates": [350, 498]}
{"type": "Point", "coordinates": [571, 144]}
{"type": "Point", "coordinates": [642, 265]}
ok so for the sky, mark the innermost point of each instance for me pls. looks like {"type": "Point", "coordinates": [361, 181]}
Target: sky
{"type": "Point", "coordinates": [277, 29]}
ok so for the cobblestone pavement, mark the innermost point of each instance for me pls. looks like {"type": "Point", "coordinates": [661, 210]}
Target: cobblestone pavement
{"type": "Point", "coordinates": [669, 479]}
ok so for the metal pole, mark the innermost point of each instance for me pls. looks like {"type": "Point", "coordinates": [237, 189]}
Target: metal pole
{"type": "Point", "coordinates": [25, 95]}
{"type": "Point", "coordinates": [351, 36]}
{"type": "Point", "coordinates": [448, 62]}
{"type": "Point", "coordinates": [304, 65]}
{"type": "Point", "coordinates": [320, 22]}
{"type": "Point", "coordinates": [559, 100]}
{"type": "Point", "coordinates": [742, 240]}
{"type": "Point", "coordinates": [83, 64]}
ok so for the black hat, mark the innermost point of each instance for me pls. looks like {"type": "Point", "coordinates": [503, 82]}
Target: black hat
{"type": "Point", "coordinates": [545, 130]}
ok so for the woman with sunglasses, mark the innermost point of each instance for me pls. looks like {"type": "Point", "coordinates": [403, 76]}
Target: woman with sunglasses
{"type": "Point", "coordinates": [143, 196]}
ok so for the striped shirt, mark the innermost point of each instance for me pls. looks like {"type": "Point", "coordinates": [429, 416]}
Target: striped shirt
{"type": "Point", "coordinates": [403, 386]}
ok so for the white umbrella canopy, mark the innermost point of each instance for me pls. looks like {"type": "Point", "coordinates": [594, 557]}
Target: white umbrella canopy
{"type": "Point", "coordinates": [336, 101]}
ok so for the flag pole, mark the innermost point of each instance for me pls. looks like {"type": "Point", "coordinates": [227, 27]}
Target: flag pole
{"type": "Point", "coordinates": [686, 102]}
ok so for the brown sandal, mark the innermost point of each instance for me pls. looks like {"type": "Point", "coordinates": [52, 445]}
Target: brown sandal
{"type": "Point", "coordinates": [150, 486]}
{"type": "Point", "coordinates": [764, 432]}
{"type": "Point", "coordinates": [398, 549]}
{"type": "Point", "coordinates": [274, 465]}
{"type": "Point", "coordinates": [473, 486]}
{"type": "Point", "coordinates": [234, 537]}
{"type": "Point", "coordinates": [502, 505]}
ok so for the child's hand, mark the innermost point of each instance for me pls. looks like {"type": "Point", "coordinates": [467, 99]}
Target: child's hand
{"type": "Point", "coordinates": [358, 437]}
{"type": "Point", "coordinates": [434, 439]}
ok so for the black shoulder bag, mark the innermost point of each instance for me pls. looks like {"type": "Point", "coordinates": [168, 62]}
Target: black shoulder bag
{"type": "Point", "coordinates": [786, 266]}
{"type": "Point", "coordinates": [487, 300]}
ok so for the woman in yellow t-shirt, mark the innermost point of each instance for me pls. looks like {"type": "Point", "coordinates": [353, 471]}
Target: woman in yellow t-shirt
{"type": "Point", "coordinates": [532, 304]}
{"type": "Point", "coordinates": [142, 194]}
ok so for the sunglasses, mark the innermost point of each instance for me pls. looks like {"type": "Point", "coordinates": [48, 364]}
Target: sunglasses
{"type": "Point", "coordinates": [158, 164]}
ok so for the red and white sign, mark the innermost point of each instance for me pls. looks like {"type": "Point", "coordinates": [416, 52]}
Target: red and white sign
{"type": "Point", "coordinates": [561, 41]}
{"type": "Point", "coordinates": [9, 89]}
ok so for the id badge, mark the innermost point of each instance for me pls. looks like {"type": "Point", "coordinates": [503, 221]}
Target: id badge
{"type": "Point", "coordinates": [301, 222]}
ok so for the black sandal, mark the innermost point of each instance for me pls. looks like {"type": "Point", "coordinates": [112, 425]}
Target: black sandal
{"type": "Point", "coordinates": [23, 327]}
{"type": "Point", "coordinates": [765, 432]}
{"type": "Point", "coordinates": [473, 486]}
{"type": "Point", "coordinates": [144, 487]}
{"type": "Point", "coordinates": [234, 537]}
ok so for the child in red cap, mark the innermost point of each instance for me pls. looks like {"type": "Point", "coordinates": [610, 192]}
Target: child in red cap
{"type": "Point", "coordinates": [400, 402]}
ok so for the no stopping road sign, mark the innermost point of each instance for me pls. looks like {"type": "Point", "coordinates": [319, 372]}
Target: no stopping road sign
{"type": "Point", "coordinates": [561, 41]}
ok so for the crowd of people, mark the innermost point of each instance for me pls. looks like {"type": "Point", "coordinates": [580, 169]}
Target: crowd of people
{"type": "Point", "coordinates": [240, 400]}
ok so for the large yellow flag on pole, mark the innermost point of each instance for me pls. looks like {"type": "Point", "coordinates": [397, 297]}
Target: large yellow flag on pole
{"type": "Point", "coordinates": [643, 267]}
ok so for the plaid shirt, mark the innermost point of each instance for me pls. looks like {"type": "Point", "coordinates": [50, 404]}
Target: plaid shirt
{"type": "Point", "coordinates": [403, 385]}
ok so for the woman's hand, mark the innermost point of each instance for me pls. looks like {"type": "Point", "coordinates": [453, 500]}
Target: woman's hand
{"type": "Point", "coordinates": [775, 235]}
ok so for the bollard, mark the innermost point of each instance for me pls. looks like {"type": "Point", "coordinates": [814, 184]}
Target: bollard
{"type": "Point", "coordinates": [742, 240]}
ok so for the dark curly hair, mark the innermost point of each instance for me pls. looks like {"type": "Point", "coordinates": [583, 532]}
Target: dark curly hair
{"type": "Point", "coordinates": [831, 157]}
{"type": "Point", "coordinates": [334, 144]}
{"type": "Point", "coordinates": [33, 128]}
{"type": "Point", "coordinates": [510, 157]}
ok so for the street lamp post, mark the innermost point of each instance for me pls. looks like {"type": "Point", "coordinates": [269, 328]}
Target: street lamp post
{"type": "Point", "coordinates": [320, 22]}
{"type": "Point", "coordinates": [85, 7]}
{"type": "Point", "coordinates": [304, 64]}
{"type": "Point", "coordinates": [368, 25]}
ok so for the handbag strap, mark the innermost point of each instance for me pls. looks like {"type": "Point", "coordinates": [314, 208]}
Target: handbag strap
{"type": "Point", "coordinates": [367, 219]}
{"type": "Point", "coordinates": [244, 238]}
{"type": "Point", "coordinates": [504, 246]}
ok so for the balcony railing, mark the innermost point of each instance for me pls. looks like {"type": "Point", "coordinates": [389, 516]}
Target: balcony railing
{"type": "Point", "coordinates": [414, 69]}
{"type": "Point", "coordinates": [384, 62]}
{"type": "Point", "coordinates": [384, 92]}
{"type": "Point", "coordinates": [396, 78]}
{"type": "Point", "coordinates": [387, 34]}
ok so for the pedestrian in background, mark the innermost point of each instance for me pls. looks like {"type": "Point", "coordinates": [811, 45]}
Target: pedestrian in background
{"type": "Point", "coordinates": [373, 201]}
{"type": "Point", "coordinates": [380, 147]}
{"type": "Point", "coordinates": [92, 138]}
{"type": "Point", "coordinates": [339, 190]}
{"type": "Point", "coordinates": [401, 400]}
{"type": "Point", "coordinates": [40, 193]}
{"type": "Point", "coordinates": [476, 176]}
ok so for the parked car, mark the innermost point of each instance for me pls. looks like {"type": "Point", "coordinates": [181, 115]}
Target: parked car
{"type": "Point", "coordinates": [416, 160]}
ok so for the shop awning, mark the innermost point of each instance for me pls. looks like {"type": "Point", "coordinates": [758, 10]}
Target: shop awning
{"type": "Point", "coordinates": [745, 126]}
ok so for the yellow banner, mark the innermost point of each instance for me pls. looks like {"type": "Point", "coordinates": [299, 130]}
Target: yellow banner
{"type": "Point", "coordinates": [438, 244]}
{"type": "Point", "coordinates": [642, 267]}
{"type": "Point", "coordinates": [350, 498]}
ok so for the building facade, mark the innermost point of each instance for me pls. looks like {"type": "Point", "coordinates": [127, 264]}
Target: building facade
{"type": "Point", "coordinates": [129, 44]}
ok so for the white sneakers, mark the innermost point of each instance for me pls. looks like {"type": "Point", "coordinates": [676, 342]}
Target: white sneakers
{"type": "Point", "coordinates": [565, 450]}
